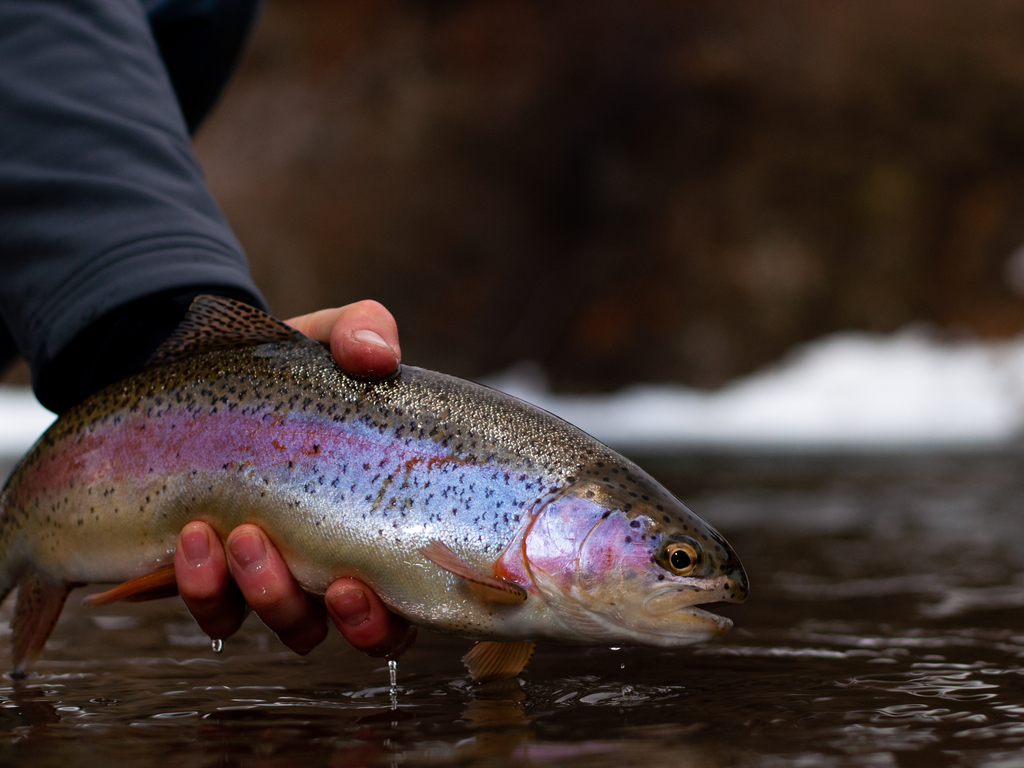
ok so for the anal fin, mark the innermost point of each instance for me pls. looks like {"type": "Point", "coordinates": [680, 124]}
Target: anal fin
{"type": "Point", "coordinates": [488, 661]}
{"type": "Point", "coordinates": [485, 587]}
{"type": "Point", "coordinates": [153, 586]}
{"type": "Point", "coordinates": [40, 601]}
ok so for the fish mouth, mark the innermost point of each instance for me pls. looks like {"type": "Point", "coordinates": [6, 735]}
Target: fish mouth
{"type": "Point", "coordinates": [680, 598]}
{"type": "Point", "coordinates": [677, 606]}
{"type": "Point", "coordinates": [684, 626]}
{"type": "Point", "coordinates": [719, 624]}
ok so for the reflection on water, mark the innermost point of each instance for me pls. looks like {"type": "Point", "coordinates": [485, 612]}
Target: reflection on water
{"type": "Point", "coordinates": [886, 628]}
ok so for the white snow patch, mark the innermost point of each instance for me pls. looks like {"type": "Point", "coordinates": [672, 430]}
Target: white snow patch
{"type": "Point", "coordinates": [22, 420]}
{"type": "Point", "coordinates": [847, 391]}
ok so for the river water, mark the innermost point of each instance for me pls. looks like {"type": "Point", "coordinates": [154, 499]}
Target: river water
{"type": "Point", "coordinates": [885, 628]}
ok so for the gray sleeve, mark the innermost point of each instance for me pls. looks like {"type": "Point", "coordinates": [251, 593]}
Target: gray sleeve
{"type": "Point", "coordinates": [102, 202]}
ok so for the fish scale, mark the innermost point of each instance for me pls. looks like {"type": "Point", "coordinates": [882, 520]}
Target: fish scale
{"type": "Point", "coordinates": [254, 423]}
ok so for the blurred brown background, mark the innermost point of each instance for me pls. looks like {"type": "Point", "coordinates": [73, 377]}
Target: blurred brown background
{"type": "Point", "coordinates": [630, 191]}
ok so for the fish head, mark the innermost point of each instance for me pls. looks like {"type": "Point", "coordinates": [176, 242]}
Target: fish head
{"type": "Point", "coordinates": [631, 565]}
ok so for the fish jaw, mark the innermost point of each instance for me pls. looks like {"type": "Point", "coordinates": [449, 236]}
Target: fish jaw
{"type": "Point", "coordinates": [701, 625]}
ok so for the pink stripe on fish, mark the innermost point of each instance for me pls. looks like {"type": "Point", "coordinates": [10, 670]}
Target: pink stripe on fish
{"type": "Point", "coordinates": [554, 540]}
{"type": "Point", "coordinates": [176, 442]}
{"type": "Point", "coordinates": [617, 549]}
{"type": "Point", "coordinates": [581, 542]}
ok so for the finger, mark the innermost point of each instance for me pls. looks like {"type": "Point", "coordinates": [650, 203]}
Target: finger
{"type": "Point", "coordinates": [366, 622]}
{"type": "Point", "coordinates": [268, 586]}
{"type": "Point", "coordinates": [363, 337]}
{"type": "Point", "coordinates": [204, 583]}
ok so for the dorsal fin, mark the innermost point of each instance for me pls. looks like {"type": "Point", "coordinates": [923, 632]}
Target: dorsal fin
{"type": "Point", "coordinates": [217, 322]}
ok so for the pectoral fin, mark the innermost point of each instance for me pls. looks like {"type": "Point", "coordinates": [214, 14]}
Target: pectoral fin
{"type": "Point", "coordinates": [40, 601]}
{"type": "Point", "coordinates": [153, 586]}
{"type": "Point", "coordinates": [489, 661]}
{"type": "Point", "coordinates": [483, 586]}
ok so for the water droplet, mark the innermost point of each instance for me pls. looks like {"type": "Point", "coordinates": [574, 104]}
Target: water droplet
{"type": "Point", "coordinates": [614, 648]}
{"type": "Point", "coordinates": [217, 645]}
{"type": "Point", "coordinates": [622, 666]}
{"type": "Point", "coordinates": [393, 677]}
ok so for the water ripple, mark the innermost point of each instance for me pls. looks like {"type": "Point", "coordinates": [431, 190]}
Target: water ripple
{"type": "Point", "coordinates": [952, 685]}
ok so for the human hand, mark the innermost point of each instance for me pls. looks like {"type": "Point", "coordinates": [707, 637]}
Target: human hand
{"type": "Point", "coordinates": [364, 342]}
{"type": "Point", "coordinates": [363, 337]}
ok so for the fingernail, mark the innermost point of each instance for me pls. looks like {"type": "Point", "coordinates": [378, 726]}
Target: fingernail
{"type": "Point", "coordinates": [248, 550]}
{"type": "Point", "coordinates": [366, 336]}
{"type": "Point", "coordinates": [351, 606]}
{"type": "Point", "coordinates": [195, 544]}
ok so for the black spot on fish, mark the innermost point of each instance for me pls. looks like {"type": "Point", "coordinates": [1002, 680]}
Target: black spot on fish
{"type": "Point", "coordinates": [629, 539]}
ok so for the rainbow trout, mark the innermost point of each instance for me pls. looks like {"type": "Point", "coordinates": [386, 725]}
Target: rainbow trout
{"type": "Point", "coordinates": [469, 512]}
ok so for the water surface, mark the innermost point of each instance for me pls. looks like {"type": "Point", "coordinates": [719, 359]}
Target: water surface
{"type": "Point", "coordinates": [885, 628]}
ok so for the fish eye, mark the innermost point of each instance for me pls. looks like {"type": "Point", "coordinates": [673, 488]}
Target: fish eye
{"type": "Point", "coordinates": [682, 557]}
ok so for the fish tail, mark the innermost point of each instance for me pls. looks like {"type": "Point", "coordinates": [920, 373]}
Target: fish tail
{"type": "Point", "coordinates": [40, 602]}
{"type": "Point", "coordinates": [41, 597]}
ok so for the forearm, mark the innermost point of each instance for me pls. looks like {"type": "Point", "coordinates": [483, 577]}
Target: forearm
{"type": "Point", "coordinates": [102, 203]}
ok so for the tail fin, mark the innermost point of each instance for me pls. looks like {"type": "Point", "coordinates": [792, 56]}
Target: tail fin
{"type": "Point", "coordinates": [40, 601]}
{"type": "Point", "coordinates": [40, 597]}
